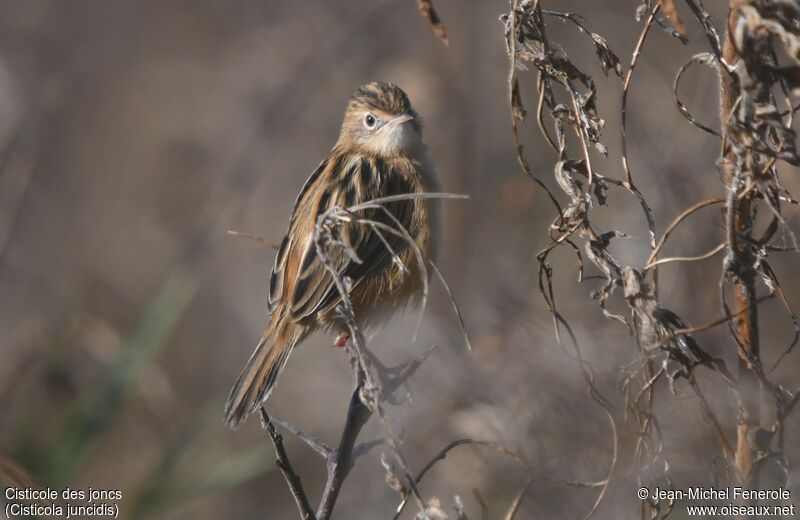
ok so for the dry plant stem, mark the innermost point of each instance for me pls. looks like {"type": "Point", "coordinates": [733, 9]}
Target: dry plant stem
{"type": "Point", "coordinates": [680, 218]}
{"type": "Point", "coordinates": [628, 183]}
{"type": "Point", "coordinates": [755, 136]}
{"type": "Point", "coordinates": [704, 256]}
{"type": "Point", "coordinates": [524, 27]}
{"type": "Point", "coordinates": [292, 478]}
{"type": "Point", "coordinates": [340, 460]}
{"type": "Point", "coordinates": [517, 112]}
{"type": "Point", "coordinates": [482, 504]}
{"type": "Point", "coordinates": [739, 222]}
{"type": "Point", "coordinates": [314, 443]}
{"type": "Point", "coordinates": [512, 511]}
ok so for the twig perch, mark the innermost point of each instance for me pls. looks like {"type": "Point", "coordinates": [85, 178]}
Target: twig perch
{"type": "Point", "coordinates": [292, 478]}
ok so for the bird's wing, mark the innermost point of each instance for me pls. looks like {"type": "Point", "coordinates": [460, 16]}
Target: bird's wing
{"type": "Point", "coordinates": [276, 279]}
{"type": "Point", "coordinates": [299, 278]}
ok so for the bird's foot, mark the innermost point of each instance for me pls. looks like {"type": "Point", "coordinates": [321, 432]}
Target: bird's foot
{"type": "Point", "coordinates": [342, 339]}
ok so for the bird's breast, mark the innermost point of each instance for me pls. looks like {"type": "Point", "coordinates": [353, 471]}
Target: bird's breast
{"type": "Point", "coordinates": [401, 282]}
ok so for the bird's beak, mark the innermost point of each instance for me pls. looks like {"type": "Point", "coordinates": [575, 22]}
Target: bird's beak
{"type": "Point", "coordinates": [399, 120]}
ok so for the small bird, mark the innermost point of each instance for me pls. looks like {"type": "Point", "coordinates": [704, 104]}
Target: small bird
{"type": "Point", "coordinates": [379, 153]}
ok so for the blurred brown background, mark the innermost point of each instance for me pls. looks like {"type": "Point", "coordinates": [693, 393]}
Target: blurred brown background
{"type": "Point", "coordinates": [135, 133]}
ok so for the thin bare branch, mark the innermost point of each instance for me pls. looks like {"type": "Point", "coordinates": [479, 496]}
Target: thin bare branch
{"type": "Point", "coordinates": [453, 301]}
{"type": "Point", "coordinates": [292, 478]}
{"type": "Point", "coordinates": [314, 443]}
{"type": "Point", "coordinates": [626, 85]}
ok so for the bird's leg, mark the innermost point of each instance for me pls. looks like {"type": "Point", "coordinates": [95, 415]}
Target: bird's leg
{"type": "Point", "coordinates": [342, 339]}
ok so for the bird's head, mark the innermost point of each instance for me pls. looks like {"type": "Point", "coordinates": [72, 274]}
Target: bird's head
{"type": "Point", "coordinates": [380, 120]}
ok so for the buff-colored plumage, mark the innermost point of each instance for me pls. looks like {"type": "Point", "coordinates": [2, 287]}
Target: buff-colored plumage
{"type": "Point", "coordinates": [379, 153]}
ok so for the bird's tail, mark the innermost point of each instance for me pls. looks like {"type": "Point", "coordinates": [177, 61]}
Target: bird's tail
{"type": "Point", "coordinates": [261, 372]}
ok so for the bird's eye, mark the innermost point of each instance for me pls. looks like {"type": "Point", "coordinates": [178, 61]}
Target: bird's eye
{"type": "Point", "coordinates": [370, 121]}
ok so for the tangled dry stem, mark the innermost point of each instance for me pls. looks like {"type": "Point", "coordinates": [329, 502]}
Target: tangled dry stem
{"type": "Point", "coordinates": [756, 134]}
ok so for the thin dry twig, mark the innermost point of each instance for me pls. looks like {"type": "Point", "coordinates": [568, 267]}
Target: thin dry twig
{"type": "Point", "coordinates": [704, 256]}
{"type": "Point", "coordinates": [252, 236]}
{"type": "Point", "coordinates": [462, 325]}
{"type": "Point", "coordinates": [680, 218]}
{"type": "Point", "coordinates": [312, 442]}
{"type": "Point", "coordinates": [626, 85]}
{"type": "Point", "coordinates": [291, 477]}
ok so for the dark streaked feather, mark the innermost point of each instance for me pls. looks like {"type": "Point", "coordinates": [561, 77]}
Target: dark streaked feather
{"type": "Point", "coordinates": [260, 374]}
{"type": "Point", "coordinates": [276, 277]}
{"type": "Point", "coordinates": [313, 289]}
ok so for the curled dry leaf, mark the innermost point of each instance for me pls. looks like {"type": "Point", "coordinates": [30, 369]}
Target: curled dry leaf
{"type": "Point", "coordinates": [608, 59]}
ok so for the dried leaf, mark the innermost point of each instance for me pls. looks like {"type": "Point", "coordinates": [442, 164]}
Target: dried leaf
{"type": "Point", "coordinates": [669, 8]}
{"type": "Point", "coordinates": [428, 12]}
{"type": "Point", "coordinates": [517, 108]}
{"type": "Point", "coordinates": [607, 57]}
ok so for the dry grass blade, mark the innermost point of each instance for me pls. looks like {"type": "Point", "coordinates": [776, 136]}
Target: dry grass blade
{"type": "Point", "coordinates": [626, 85]}
{"type": "Point", "coordinates": [312, 442]}
{"type": "Point", "coordinates": [704, 256]}
{"type": "Point", "coordinates": [255, 237]}
{"type": "Point", "coordinates": [704, 58]}
{"type": "Point", "coordinates": [680, 218]}
{"type": "Point", "coordinates": [428, 12]}
{"type": "Point", "coordinates": [482, 503]}
{"type": "Point", "coordinates": [407, 196]}
{"type": "Point", "coordinates": [453, 301]}
{"type": "Point", "coordinates": [512, 510]}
